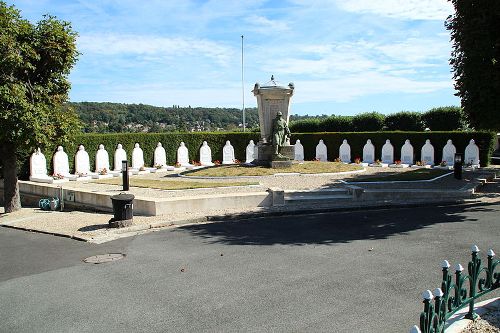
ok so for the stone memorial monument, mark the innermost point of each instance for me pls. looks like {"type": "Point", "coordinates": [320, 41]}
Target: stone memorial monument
{"type": "Point", "coordinates": [407, 153]}
{"type": "Point", "coordinates": [250, 150]}
{"type": "Point", "coordinates": [449, 152]}
{"type": "Point", "coordinates": [387, 152]}
{"type": "Point", "coordinates": [137, 157]}
{"type": "Point", "coordinates": [321, 152]}
{"type": "Point", "coordinates": [273, 103]}
{"type": "Point", "coordinates": [368, 152]}
{"type": "Point", "coordinates": [299, 151]}
{"type": "Point", "coordinates": [38, 169]}
{"type": "Point", "coordinates": [183, 156]}
{"type": "Point", "coordinates": [427, 153]}
{"type": "Point", "coordinates": [228, 153]}
{"type": "Point", "coordinates": [472, 154]}
{"type": "Point", "coordinates": [101, 159]}
{"type": "Point", "coordinates": [82, 162]}
{"type": "Point", "coordinates": [120, 155]}
{"type": "Point", "coordinates": [102, 169]}
{"type": "Point", "coordinates": [345, 152]}
{"type": "Point", "coordinates": [138, 165]}
{"type": "Point", "coordinates": [60, 164]}
{"type": "Point", "coordinates": [206, 155]}
{"type": "Point", "coordinates": [160, 156]}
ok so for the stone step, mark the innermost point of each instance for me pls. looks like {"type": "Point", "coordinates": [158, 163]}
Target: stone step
{"type": "Point", "coordinates": [308, 198]}
{"type": "Point", "coordinates": [330, 194]}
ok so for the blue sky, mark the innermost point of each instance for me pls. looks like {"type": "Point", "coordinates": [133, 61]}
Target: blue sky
{"type": "Point", "coordinates": [344, 56]}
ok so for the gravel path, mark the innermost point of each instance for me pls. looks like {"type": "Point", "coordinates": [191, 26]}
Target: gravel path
{"type": "Point", "coordinates": [487, 323]}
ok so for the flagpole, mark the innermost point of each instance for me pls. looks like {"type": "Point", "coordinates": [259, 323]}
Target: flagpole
{"type": "Point", "coordinates": [242, 85]}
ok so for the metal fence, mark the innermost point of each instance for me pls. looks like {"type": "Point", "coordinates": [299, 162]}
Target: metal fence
{"type": "Point", "coordinates": [456, 293]}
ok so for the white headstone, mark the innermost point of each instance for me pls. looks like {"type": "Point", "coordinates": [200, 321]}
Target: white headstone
{"type": "Point", "coordinates": [345, 152]}
{"type": "Point", "coordinates": [427, 153]}
{"type": "Point", "coordinates": [228, 153]}
{"type": "Point", "coordinates": [183, 155]}
{"type": "Point", "coordinates": [449, 152]}
{"type": "Point", "coordinates": [388, 152]}
{"type": "Point", "coordinates": [369, 152]}
{"type": "Point", "coordinates": [38, 165]}
{"type": "Point", "coordinates": [471, 153]}
{"type": "Point", "coordinates": [60, 162]}
{"type": "Point", "coordinates": [321, 151]}
{"type": "Point", "coordinates": [137, 157]}
{"type": "Point", "coordinates": [299, 151]}
{"type": "Point", "coordinates": [82, 161]}
{"type": "Point", "coordinates": [160, 156]}
{"type": "Point", "coordinates": [407, 153]}
{"type": "Point", "coordinates": [101, 159]}
{"type": "Point", "coordinates": [120, 155]}
{"type": "Point", "coordinates": [250, 152]}
{"type": "Point", "coordinates": [205, 155]}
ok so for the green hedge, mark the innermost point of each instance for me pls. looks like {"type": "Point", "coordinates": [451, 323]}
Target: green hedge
{"type": "Point", "coordinates": [216, 141]}
{"type": "Point", "coordinates": [448, 118]}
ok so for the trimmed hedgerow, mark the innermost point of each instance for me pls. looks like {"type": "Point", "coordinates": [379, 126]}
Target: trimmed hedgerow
{"type": "Point", "coordinates": [216, 141]}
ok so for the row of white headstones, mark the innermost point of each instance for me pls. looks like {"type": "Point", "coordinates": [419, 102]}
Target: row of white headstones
{"type": "Point", "coordinates": [38, 164]}
{"type": "Point", "coordinates": [471, 154]}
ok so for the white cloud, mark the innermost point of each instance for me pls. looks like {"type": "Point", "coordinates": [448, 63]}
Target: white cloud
{"type": "Point", "coordinates": [347, 88]}
{"type": "Point", "coordinates": [264, 25]}
{"type": "Point", "coordinates": [151, 46]}
{"type": "Point", "coordinates": [401, 9]}
{"type": "Point", "coordinates": [417, 50]}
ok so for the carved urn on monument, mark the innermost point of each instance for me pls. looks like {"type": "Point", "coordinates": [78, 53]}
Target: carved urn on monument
{"type": "Point", "coordinates": [273, 101]}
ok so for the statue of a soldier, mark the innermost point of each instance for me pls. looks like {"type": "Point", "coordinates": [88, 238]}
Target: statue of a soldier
{"type": "Point", "coordinates": [280, 134]}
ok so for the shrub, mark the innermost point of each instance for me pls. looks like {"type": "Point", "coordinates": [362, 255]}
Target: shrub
{"type": "Point", "coordinates": [305, 126]}
{"type": "Point", "coordinates": [368, 122]}
{"type": "Point", "coordinates": [336, 124]}
{"type": "Point", "coordinates": [447, 118]}
{"type": "Point", "coordinates": [404, 121]}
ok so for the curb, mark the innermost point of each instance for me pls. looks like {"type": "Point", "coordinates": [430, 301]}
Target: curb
{"type": "Point", "coordinates": [457, 323]}
{"type": "Point", "coordinates": [45, 232]}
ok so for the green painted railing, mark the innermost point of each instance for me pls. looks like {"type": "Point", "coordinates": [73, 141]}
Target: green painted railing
{"type": "Point", "coordinates": [454, 294]}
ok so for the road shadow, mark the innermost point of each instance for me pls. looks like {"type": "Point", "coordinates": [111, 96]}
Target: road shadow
{"type": "Point", "coordinates": [332, 227]}
{"type": "Point", "coordinates": [94, 227]}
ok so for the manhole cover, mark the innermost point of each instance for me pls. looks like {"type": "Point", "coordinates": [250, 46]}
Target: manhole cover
{"type": "Point", "coordinates": [101, 258]}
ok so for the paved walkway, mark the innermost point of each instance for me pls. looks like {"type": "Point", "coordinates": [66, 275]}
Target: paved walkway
{"type": "Point", "coordinates": [335, 272]}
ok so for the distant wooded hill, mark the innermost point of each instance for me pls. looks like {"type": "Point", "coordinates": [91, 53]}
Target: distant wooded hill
{"type": "Point", "coordinates": [117, 117]}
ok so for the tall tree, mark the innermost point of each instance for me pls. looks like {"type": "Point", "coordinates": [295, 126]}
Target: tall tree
{"type": "Point", "coordinates": [35, 61]}
{"type": "Point", "coordinates": [475, 32]}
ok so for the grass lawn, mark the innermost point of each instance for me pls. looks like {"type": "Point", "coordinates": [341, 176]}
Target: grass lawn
{"type": "Point", "coordinates": [173, 184]}
{"type": "Point", "coordinates": [413, 175]}
{"type": "Point", "coordinates": [240, 170]}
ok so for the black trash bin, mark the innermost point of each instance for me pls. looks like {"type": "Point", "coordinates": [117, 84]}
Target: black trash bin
{"type": "Point", "coordinates": [123, 210]}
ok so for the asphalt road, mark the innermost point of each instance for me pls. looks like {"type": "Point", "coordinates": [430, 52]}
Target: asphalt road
{"type": "Point", "coordinates": [337, 272]}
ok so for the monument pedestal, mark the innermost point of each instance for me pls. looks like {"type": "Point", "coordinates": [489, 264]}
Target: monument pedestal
{"type": "Point", "coordinates": [281, 164]}
{"type": "Point", "coordinates": [265, 153]}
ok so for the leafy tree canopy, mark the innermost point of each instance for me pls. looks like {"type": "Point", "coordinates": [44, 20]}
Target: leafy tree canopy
{"type": "Point", "coordinates": [475, 59]}
{"type": "Point", "coordinates": [35, 61]}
